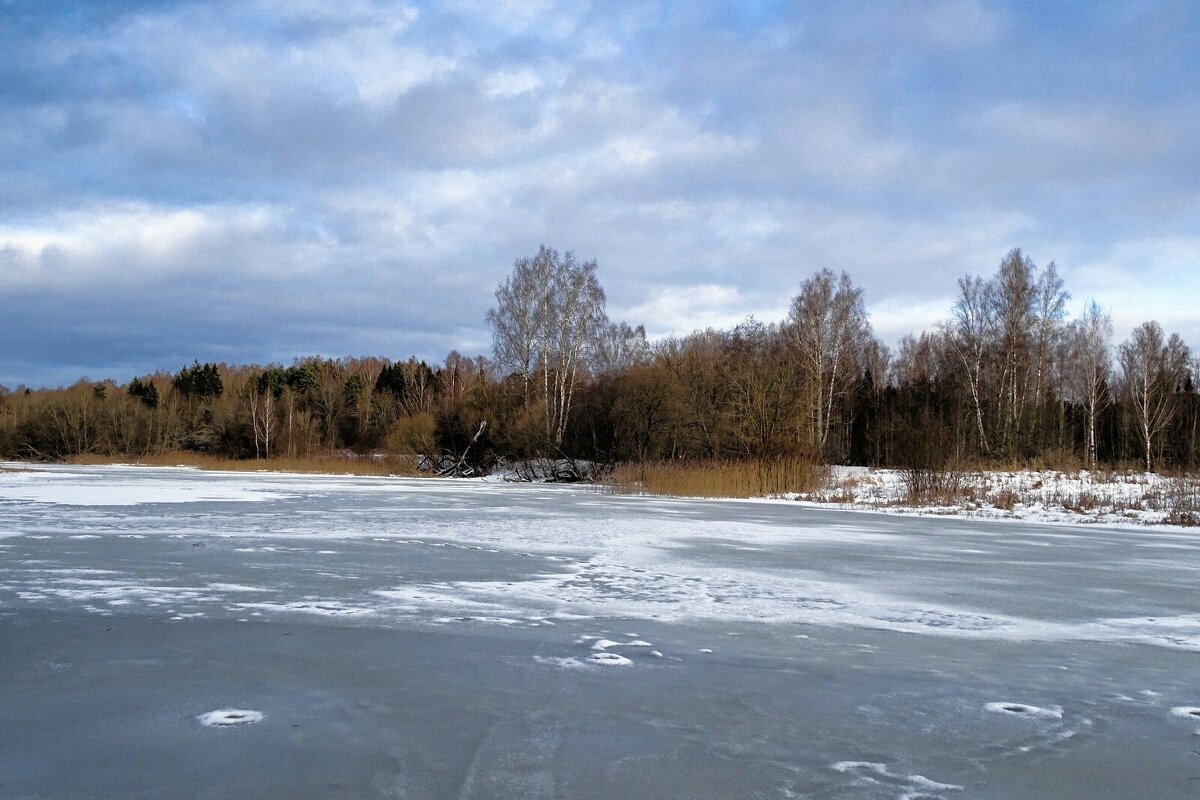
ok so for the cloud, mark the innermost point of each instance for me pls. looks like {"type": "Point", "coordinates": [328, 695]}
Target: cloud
{"type": "Point", "coordinates": [680, 310]}
{"type": "Point", "coordinates": [959, 23]}
{"type": "Point", "coordinates": [130, 244]}
{"type": "Point", "coordinates": [1155, 278]}
{"type": "Point", "coordinates": [257, 180]}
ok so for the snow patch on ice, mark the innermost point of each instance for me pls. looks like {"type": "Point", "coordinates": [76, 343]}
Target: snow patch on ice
{"type": "Point", "coordinates": [911, 787]}
{"type": "Point", "coordinates": [487, 620]}
{"type": "Point", "coordinates": [609, 659]}
{"type": "Point", "coordinates": [88, 590]}
{"type": "Point", "coordinates": [112, 487]}
{"type": "Point", "coordinates": [604, 644]}
{"type": "Point", "coordinates": [234, 587]}
{"type": "Point", "coordinates": [325, 608]}
{"type": "Point", "coordinates": [226, 717]}
{"type": "Point", "coordinates": [1187, 712]}
{"type": "Point", "coordinates": [563, 663]}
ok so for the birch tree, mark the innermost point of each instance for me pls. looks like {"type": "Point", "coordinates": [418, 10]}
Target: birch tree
{"type": "Point", "coordinates": [1049, 309]}
{"type": "Point", "coordinates": [520, 318]}
{"type": "Point", "coordinates": [1085, 366]}
{"type": "Point", "coordinates": [827, 326]}
{"type": "Point", "coordinates": [548, 318]}
{"type": "Point", "coordinates": [575, 316]}
{"type": "Point", "coordinates": [969, 334]}
{"type": "Point", "coordinates": [1011, 295]}
{"type": "Point", "coordinates": [1152, 368]}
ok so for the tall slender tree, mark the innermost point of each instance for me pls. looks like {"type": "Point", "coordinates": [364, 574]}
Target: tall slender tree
{"type": "Point", "coordinates": [548, 318]}
{"type": "Point", "coordinates": [827, 327]}
{"type": "Point", "coordinates": [1086, 364]}
{"type": "Point", "coordinates": [1153, 368]}
{"type": "Point", "coordinates": [969, 334]}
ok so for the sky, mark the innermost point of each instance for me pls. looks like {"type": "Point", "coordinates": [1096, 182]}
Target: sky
{"type": "Point", "coordinates": [255, 180]}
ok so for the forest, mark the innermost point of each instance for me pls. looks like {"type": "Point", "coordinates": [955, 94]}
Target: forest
{"type": "Point", "coordinates": [1007, 380]}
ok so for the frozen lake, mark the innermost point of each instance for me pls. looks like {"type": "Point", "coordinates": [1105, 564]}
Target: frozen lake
{"type": "Point", "coordinates": [362, 638]}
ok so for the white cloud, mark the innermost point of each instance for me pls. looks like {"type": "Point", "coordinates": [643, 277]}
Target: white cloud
{"type": "Point", "coordinates": [131, 243]}
{"type": "Point", "coordinates": [680, 310]}
{"type": "Point", "coordinates": [1155, 278]}
{"type": "Point", "coordinates": [896, 317]}
{"type": "Point", "coordinates": [1094, 131]}
{"type": "Point", "coordinates": [510, 83]}
{"type": "Point", "coordinates": [366, 50]}
{"type": "Point", "coordinates": [960, 23]}
{"type": "Point", "coordinates": [542, 17]}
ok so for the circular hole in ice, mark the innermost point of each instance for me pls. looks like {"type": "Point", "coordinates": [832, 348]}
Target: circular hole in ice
{"type": "Point", "coordinates": [1024, 710]}
{"type": "Point", "coordinates": [225, 717]}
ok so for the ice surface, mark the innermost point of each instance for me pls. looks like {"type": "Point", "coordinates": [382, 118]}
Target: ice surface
{"type": "Point", "coordinates": [462, 635]}
{"type": "Point", "coordinates": [111, 488]}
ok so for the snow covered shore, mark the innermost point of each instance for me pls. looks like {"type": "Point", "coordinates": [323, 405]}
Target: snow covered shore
{"type": "Point", "coordinates": [1096, 497]}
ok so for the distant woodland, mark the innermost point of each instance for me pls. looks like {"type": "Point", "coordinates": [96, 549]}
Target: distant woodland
{"type": "Point", "coordinates": [1008, 379]}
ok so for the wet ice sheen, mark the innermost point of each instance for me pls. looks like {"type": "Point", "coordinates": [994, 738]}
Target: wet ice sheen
{"type": "Point", "coordinates": [579, 644]}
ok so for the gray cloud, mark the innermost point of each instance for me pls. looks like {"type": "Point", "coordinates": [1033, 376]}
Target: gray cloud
{"type": "Point", "coordinates": [252, 181]}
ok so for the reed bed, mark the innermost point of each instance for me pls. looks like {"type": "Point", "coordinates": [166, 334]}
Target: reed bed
{"type": "Point", "coordinates": [332, 464]}
{"type": "Point", "coordinates": [719, 478]}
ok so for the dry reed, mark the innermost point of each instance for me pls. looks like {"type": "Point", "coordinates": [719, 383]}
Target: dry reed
{"type": "Point", "coordinates": [719, 478]}
{"type": "Point", "coordinates": [322, 464]}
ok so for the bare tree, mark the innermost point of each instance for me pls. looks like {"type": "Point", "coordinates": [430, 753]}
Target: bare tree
{"type": "Point", "coordinates": [620, 348]}
{"type": "Point", "coordinates": [760, 382]}
{"type": "Point", "coordinates": [575, 318]}
{"type": "Point", "coordinates": [827, 327]}
{"type": "Point", "coordinates": [969, 334]}
{"type": "Point", "coordinates": [1011, 295]}
{"type": "Point", "coordinates": [877, 362]}
{"type": "Point", "coordinates": [1049, 309]}
{"type": "Point", "coordinates": [1152, 369]}
{"type": "Point", "coordinates": [1085, 365]}
{"type": "Point", "coordinates": [548, 318]}
{"type": "Point", "coordinates": [921, 359]}
{"type": "Point", "coordinates": [519, 319]}
{"type": "Point", "coordinates": [696, 364]}
{"type": "Point", "coordinates": [455, 375]}
{"type": "Point", "coordinates": [262, 414]}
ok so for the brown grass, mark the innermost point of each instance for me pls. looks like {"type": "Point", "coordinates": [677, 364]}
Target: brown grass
{"type": "Point", "coordinates": [719, 478]}
{"type": "Point", "coordinates": [322, 464]}
{"type": "Point", "coordinates": [1183, 502]}
{"type": "Point", "coordinates": [1005, 500]}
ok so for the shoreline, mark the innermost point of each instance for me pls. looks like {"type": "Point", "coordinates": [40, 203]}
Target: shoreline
{"type": "Point", "coordinates": [1122, 500]}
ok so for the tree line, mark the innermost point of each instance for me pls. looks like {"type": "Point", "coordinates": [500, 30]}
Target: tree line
{"type": "Point", "coordinates": [1006, 379]}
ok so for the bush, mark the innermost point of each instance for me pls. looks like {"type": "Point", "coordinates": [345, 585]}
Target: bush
{"type": "Point", "coordinates": [415, 435]}
{"type": "Point", "coordinates": [1183, 502]}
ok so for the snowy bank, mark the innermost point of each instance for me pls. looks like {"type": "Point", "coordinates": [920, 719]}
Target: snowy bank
{"type": "Point", "coordinates": [1105, 497]}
